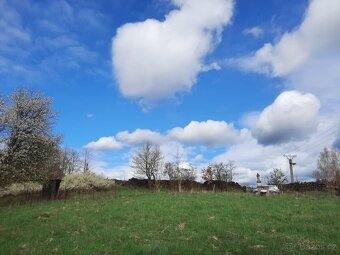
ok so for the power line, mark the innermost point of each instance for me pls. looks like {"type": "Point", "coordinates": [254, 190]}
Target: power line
{"type": "Point", "coordinates": [321, 139]}
{"type": "Point", "coordinates": [307, 146]}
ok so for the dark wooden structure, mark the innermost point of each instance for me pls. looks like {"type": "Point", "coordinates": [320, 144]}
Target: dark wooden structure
{"type": "Point", "coordinates": [50, 189]}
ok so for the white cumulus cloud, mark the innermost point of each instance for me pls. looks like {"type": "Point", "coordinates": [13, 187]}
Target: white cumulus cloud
{"type": "Point", "coordinates": [254, 31]}
{"type": "Point", "coordinates": [252, 157]}
{"type": "Point", "coordinates": [317, 35]}
{"type": "Point", "coordinates": [199, 157]}
{"type": "Point", "coordinates": [292, 116]}
{"type": "Point", "coordinates": [210, 132]}
{"type": "Point", "coordinates": [139, 136]}
{"type": "Point", "coordinates": [155, 59]}
{"type": "Point", "coordinates": [120, 172]}
{"type": "Point", "coordinates": [105, 143]}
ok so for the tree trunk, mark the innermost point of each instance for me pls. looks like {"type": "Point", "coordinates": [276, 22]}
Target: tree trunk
{"type": "Point", "coordinates": [149, 183]}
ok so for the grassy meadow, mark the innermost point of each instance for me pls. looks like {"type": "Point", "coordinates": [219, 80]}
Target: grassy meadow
{"type": "Point", "coordinates": [144, 222]}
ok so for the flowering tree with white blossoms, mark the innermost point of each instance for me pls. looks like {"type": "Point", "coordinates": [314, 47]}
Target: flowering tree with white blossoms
{"type": "Point", "coordinates": [29, 151]}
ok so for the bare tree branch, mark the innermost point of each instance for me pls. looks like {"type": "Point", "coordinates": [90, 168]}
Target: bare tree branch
{"type": "Point", "coordinates": [147, 161]}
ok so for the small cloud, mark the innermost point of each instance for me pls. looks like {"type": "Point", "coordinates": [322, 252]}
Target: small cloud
{"type": "Point", "coordinates": [58, 42]}
{"type": "Point", "coordinates": [212, 66]}
{"type": "Point", "coordinates": [105, 143]}
{"type": "Point", "coordinates": [199, 157]}
{"type": "Point", "coordinates": [90, 115]}
{"type": "Point", "coordinates": [50, 26]}
{"type": "Point", "coordinates": [81, 53]}
{"type": "Point", "coordinates": [253, 31]}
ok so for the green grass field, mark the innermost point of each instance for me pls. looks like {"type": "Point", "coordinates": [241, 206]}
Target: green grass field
{"type": "Point", "coordinates": [143, 222]}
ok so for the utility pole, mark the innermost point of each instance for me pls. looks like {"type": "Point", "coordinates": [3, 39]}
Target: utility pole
{"type": "Point", "coordinates": [291, 164]}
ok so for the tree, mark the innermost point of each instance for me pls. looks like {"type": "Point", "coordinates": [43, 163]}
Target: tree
{"type": "Point", "coordinates": [328, 166]}
{"type": "Point", "coordinates": [147, 161]}
{"type": "Point", "coordinates": [170, 171]}
{"type": "Point", "coordinates": [87, 158]}
{"type": "Point", "coordinates": [178, 172]}
{"type": "Point", "coordinates": [219, 172]}
{"type": "Point", "coordinates": [277, 177]}
{"type": "Point", "coordinates": [188, 172]}
{"type": "Point", "coordinates": [69, 161]}
{"type": "Point", "coordinates": [223, 172]}
{"type": "Point", "coordinates": [28, 146]}
{"type": "Point", "coordinates": [207, 174]}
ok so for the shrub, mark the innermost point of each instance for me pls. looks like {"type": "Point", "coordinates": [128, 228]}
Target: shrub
{"type": "Point", "coordinates": [20, 188]}
{"type": "Point", "coordinates": [85, 181]}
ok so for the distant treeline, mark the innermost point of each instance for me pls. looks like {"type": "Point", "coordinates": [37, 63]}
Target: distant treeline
{"type": "Point", "coordinates": [305, 186]}
{"type": "Point", "coordinates": [186, 185]}
{"type": "Point", "coordinates": [219, 185]}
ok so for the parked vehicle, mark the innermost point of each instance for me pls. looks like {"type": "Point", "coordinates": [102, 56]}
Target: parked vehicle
{"type": "Point", "coordinates": [268, 189]}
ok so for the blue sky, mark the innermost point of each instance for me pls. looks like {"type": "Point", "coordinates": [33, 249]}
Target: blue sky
{"type": "Point", "coordinates": [218, 80]}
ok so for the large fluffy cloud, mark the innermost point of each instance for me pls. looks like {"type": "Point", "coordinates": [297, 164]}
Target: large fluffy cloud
{"type": "Point", "coordinates": [321, 77]}
{"type": "Point", "coordinates": [307, 57]}
{"type": "Point", "coordinates": [155, 59]}
{"type": "Point", "coordinates": [292, 116]}
{"type": "Point", "coordinates": [210, 132]}
{"type": "Point", "coordinates": [317, 35]}
{"type": "Point", "coordinates": [252, 157]}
